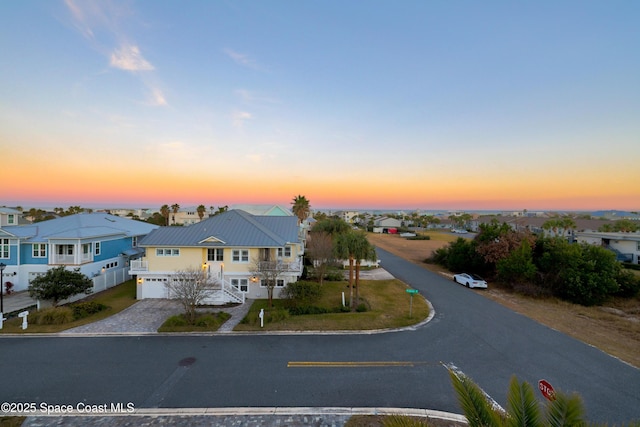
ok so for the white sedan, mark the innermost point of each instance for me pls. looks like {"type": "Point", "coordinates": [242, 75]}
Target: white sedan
{"type": "Point", "coordinates": [470, 280]}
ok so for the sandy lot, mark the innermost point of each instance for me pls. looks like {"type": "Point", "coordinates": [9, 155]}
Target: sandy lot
{"type": "Point", "coordinates": [613, 328]}
{"type": "Point", "coordinates": [413, 250]}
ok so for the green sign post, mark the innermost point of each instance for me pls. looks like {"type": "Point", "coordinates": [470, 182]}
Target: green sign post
{"type": "Point", "coordinates": [411, 292]}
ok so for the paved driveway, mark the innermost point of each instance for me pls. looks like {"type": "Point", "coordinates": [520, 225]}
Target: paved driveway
{"type": "Point", "coordinates": [147, 316]}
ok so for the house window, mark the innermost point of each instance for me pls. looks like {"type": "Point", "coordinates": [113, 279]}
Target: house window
{"type": "Point", "coordinates": [638, 246]}
{"type": "Point", "coordinates": [11, 219]}
{"type": "Point", "coordinates": [4, 248]}
{"type": "Point", "coordinates": [65, 249]}
{"type": "Point", "coordinates": [240, 255]}
{"type": "Point", "coordinates": [134, 242]}
{"type": "Point", "coordinates": [39, 250]}
{"type": "Point", "coordinates": [286, 252]}
{"type": "Point", "coordinates": [240, 284]}
{"type": "Point", "coordinates": [167, 252]}
{"type": "Point", "coordinates": [86, 248]}
{"type": "Point", "coordinates": [97, 248]}
{"type": "Point", "coordinates": [280, 283]}
{"type": "Point", "coordinates": [215, 254]}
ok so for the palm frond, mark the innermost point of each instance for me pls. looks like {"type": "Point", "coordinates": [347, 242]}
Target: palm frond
{"type": "Point", "coordinates": [475, 406]}
{"type": "Point", "coordinates": [565, 411]}
{"type": "Point", "coordinates": [522, 405]}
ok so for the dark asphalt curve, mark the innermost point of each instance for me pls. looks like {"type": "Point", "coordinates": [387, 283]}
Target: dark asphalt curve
{"type": "Point", "coordinates": [491, 343]}
{"type": "Point", "coordinates": [396, 369]}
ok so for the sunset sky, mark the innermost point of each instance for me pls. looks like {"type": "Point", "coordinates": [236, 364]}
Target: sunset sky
{"type": "Point", "coordinates": [425, 104]}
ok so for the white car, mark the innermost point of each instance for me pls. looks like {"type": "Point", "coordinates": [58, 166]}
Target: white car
{"type": "Point", "coordinates": [470, 280]}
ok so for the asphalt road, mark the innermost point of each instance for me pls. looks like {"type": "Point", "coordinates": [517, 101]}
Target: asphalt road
{"type": "Point", "coordinates": [481, 338]}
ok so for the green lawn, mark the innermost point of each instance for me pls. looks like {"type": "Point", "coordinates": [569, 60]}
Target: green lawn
{"type": "Point", "coordinates": [387, 302]}
{"type": "Point", "coordinates": [117, 299]}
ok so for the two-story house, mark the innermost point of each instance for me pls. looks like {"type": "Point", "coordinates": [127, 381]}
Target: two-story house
{"type": "Point", "coordinates": [227, 246]}
{"type": "Point", "coordinates": [626, 246]}
{"type": "Point", "coordinates": [99, 244]}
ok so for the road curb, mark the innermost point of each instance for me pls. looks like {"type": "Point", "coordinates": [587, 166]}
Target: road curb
{"type": "Point", "coordinates": [265, 411]}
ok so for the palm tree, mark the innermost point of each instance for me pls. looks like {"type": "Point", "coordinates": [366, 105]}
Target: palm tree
{"type": "Point", "coordinates": [175, 208]}
{"type": "Point", "coordinates": [201, 210]}
{"type": "Point", "coordinates": [363, 250]}
{"type": "Point", "coordinates": [300, 207]}
{"type": "Point", "coordinates": [164, 211]}
{"type": "Point", "coordinates": [355, 247]}
{"type": "Point", "coordinates": [522, 406]}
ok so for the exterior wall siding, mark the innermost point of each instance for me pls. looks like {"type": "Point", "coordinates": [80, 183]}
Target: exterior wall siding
{"type": "Point", "coordinates": [188, 258]}
{"type": "Point", "coordinates": [111, 248]}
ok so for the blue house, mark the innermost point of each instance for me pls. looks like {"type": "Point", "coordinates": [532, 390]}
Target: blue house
{"type": "Point", "coordinates": [99, 244]}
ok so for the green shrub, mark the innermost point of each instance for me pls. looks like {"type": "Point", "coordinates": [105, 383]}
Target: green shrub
{"type": "Point", "coordinates": [629, 284]}
{"type": "Point", "coordinates": [361, 308]}
{"type": "Point", "coordinates": [334, 276]}
{"type": "Point", "coordinates": [210, 320]}
{"type": "Point", "coordinates": [301, 293]}
{"type": "Point", "coordinates": [52, 316]}
{"type": "Point", "coordinates": [177, 320]}
{"type": "Point", "coordinates": [631, 266]}
{"type": "Point", "coordinates": [343, 309]}
{"type": "Point", "coordinates": [419, 237]}
{"type": "Point", "coordinates": [86, 309]}
{"type": "Point", "coordinates": [307, 309]}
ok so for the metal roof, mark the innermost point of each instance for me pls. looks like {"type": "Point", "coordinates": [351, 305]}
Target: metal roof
{"type": "Point", "coordinates": [233, 228]}
{"type": "Point", "coordinates": [81, 226]}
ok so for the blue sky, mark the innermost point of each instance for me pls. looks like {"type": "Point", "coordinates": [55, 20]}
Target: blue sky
{"type": "Point", "coordinates": [355, 104]}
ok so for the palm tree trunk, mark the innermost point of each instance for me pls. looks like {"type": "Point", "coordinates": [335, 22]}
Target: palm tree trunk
{"type": "Point", "coordinates": [357, 283]}
{"type": "Point", "coordinates": [351, 282]}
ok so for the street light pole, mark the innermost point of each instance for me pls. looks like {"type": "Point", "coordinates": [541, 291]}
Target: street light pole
{"type": "Point", "coordinates": [2, 266]}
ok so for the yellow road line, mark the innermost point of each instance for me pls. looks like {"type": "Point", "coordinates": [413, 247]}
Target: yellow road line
{"type": "Point", "coordinates": [347, 364]}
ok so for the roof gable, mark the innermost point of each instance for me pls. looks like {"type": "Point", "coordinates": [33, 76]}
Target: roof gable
{"type": "Point", "coordinates": [211, 239]}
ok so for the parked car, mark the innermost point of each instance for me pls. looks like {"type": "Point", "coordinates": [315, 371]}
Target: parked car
{"type": "Point", "coordinates": [470, 280]}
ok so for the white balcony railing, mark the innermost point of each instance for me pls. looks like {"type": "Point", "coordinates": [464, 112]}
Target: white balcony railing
{"type": "Point", "coordinates": [64, 259]}
{"type": "Point", "coordinates": [138, 265]}
{"type": "Point", "coordinates": [280, 266]}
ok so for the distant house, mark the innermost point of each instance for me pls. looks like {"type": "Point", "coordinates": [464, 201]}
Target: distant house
{"type": "Point", "coordinates": [626, 246]}
{"type": "Point", "coordinates": [350, 217]}
{"type": "Point", "coordinates": [186, 216]}
{"type": "Point", "coordinates": [9, 216]}
{"type": "Point", "coordinates": [535, 224]}
{"type": "Point", "coordinates": [227, 246]}
{"type": "Point", "coordinates": [387, 222]}
{"type": "Point", "coordinates": [99, 244]}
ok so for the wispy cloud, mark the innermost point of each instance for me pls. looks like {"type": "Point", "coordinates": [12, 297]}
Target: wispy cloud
{"type": "Point", "coordinates": [101, 23]}
{"type": "Point", "coordinates": [240, 117]}
{"type": "Point", "coordinates": [157, 98]}
{"type": "Point", "coordinates": [129, 58]}
{"type": "Point", "coordinates": [242, 59]}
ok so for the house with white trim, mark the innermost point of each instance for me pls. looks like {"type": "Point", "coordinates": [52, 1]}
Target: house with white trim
{"type": "Point", "coordinates": [625, 245]}
{"type": "Point", "coordinates": [99, 244]}
{"type": "Point", "coordinates": [226, 246]}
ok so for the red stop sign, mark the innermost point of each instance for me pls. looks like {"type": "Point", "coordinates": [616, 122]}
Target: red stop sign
{"type": "Point", "coordinates": [546, 390]}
